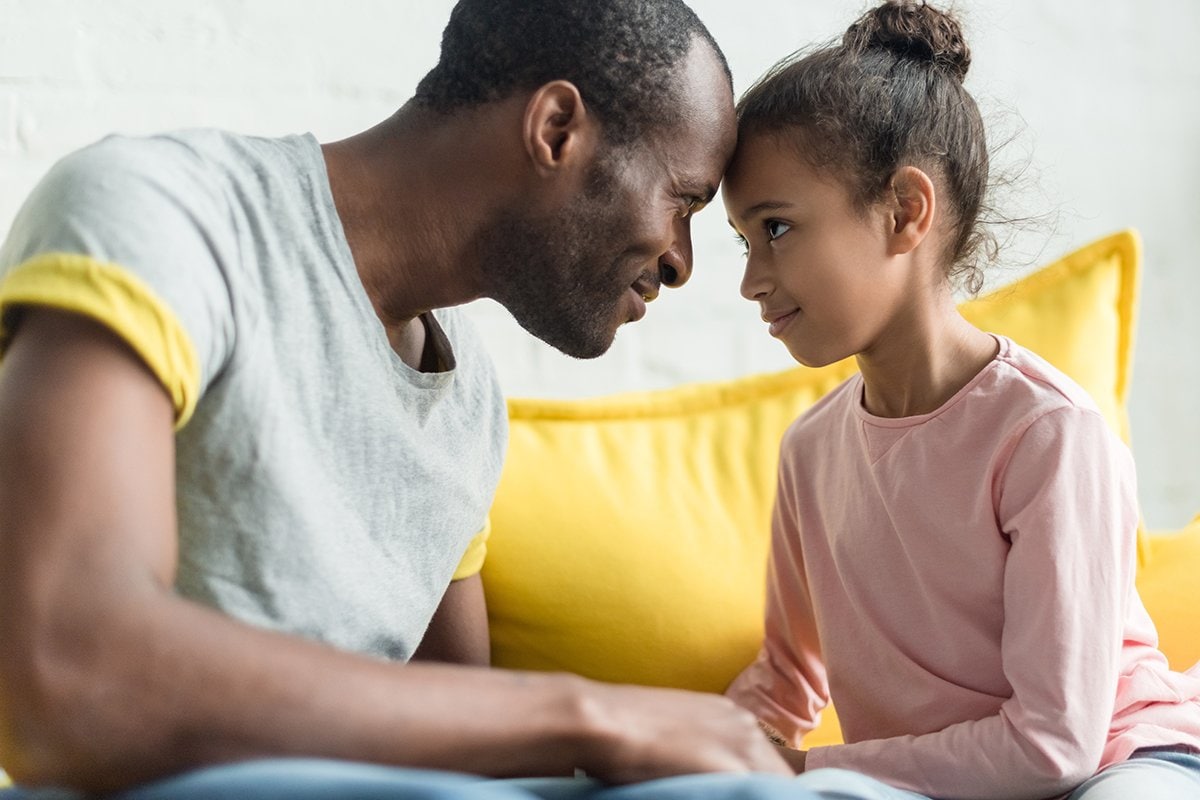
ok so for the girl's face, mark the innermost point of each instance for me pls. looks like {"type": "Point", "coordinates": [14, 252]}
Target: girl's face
{"type": "Point", "coordinates": [819, 268]}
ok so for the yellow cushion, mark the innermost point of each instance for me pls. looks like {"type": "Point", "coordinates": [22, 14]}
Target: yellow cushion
{"type": "Point", "coordinates": [1168, 586]}
{"type": "Point", "coordinates": [629, 533]}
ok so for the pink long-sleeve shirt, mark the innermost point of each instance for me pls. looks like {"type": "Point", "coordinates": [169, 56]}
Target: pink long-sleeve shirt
{"type": "Point", "coordinates": [961, 584]}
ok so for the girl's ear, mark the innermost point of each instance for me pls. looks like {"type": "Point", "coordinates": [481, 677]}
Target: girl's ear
{"type": "Point", "coordinates": [912, 208]}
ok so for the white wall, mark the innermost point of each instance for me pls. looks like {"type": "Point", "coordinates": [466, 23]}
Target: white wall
{"type": "Point", "coordinates": [1107, 89]}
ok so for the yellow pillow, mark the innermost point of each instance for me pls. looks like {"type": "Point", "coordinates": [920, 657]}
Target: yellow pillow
{"type": "Point", "coordinates": [629, 534]}
{"type": "Point", "coordinates": [1168, 587]}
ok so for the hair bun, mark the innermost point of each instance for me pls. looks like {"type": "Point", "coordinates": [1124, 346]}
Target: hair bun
{"type": "Point", "coordinates": [915, 31]}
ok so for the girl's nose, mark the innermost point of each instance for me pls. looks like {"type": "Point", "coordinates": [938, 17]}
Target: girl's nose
{"type": "Point", "coordinates": [755, 282]}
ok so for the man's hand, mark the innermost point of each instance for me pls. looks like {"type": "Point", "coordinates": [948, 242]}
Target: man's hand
{"type": "Point", "coordinates": [645, 733]}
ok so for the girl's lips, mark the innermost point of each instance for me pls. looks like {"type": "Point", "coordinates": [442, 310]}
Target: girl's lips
{"type": "Point", "coordinates": [779, 323]}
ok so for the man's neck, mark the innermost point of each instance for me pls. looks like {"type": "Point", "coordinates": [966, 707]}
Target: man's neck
{"type": "Point", "coordinates": [409, 193]}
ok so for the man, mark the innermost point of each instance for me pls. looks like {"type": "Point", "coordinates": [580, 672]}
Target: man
{"type": "Point", "coordinates": [247, 441]}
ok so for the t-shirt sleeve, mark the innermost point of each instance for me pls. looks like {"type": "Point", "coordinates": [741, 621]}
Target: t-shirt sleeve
{"type": "Point", "coordinates": [133, 234]}
{"type": "Point", "coordinates": [786, 685]}
{"type": "Point", "coordinates": [1066, 502]}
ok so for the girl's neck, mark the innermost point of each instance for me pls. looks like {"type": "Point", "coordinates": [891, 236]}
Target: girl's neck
{"type": "Point", "coordinates": [923, 361]}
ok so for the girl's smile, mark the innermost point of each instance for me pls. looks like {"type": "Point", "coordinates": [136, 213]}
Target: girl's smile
{"type": "Point", "coordinates": [778, 322]}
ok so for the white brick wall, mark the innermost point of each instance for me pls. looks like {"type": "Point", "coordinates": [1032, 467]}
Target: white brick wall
{"type": "Point", "coordinates": [1107, 90]}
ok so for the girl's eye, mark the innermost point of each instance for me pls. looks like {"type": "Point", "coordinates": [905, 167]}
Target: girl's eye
{"type": "Point", "coordinates": [775, 229]}
{"type": "Point", "coordinates": [741, 240]}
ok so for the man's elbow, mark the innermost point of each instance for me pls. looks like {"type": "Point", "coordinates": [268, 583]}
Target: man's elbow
{"type": "Point", "coordinates": [52, 725]}
{"type": "Point", "coordinates": [34, 735]}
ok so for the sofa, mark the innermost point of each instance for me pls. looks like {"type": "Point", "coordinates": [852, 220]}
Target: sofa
{"type": "Point", "coordinates": [629, 534]}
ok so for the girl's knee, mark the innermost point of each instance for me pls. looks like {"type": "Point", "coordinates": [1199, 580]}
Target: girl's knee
{"type": "Point", "coordinates": [1141, 778]}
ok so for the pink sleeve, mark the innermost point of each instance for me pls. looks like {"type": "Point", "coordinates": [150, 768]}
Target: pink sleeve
{"type": "Point", "coordinates": [785, 687]}
{"type": "Point", "coordinates": [1067, 503]}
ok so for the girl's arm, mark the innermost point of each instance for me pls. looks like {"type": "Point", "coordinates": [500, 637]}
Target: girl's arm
{"type": "Point", "coordinates": [786, 687]}
{"type": "Point", "coordinates": [1067, 504]}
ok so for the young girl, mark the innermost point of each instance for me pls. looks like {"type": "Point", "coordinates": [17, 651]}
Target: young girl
{"type": "Point", "coordinates": [954, 531]}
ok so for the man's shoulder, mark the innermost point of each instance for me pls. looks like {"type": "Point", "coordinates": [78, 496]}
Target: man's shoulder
{"type": "Point", "coordinates": [195, 156]}
{"type": "Point", "coordinates": [164, 190]}
{"type": "Point", "coordinates": [121, 171]}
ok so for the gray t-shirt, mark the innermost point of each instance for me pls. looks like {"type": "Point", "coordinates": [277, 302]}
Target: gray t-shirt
{"type": "Point", "coordinates": [325, 488]}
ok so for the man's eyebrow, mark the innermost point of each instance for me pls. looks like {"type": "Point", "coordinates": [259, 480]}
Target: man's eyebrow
{"type": "Point", "coordinates": [701, 189]}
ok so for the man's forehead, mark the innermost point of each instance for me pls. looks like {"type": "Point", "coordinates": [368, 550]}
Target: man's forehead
{"type": "Point", "coordinates": [702, 87]}
{"type": "Point", "coordinates": [706, 112]}
{"type": "Point", "coordinates": [699, 153]}
{"type": "Point", "coordinates": [694, 156]}
{"type": "Point", "coordinates": [694, 138]}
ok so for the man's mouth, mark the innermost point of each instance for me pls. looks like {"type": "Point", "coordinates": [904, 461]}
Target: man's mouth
{"type": "Point", "coordinates": [639, 303]}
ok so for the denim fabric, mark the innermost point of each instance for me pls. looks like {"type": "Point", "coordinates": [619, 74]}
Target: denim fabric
{"type": "Point", "coordinates": [310, 779]}
{"type": "Point", "coordinates": [1152, 773]}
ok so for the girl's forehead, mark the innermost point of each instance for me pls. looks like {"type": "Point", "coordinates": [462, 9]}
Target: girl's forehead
{"type": "Point", "coordinates": [783, 145]}
{"type": "Point", "coordinates": [766, 158]}
{"type": "Point", "coordinates": [769, 173]}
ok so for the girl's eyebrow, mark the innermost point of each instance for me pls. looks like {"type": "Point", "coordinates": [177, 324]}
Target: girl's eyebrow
{"type": "Point", "coordinates": [766, 205]}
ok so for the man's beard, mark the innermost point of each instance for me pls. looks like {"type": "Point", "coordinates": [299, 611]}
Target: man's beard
{"type": "Point", "coordinates": [562, 277]}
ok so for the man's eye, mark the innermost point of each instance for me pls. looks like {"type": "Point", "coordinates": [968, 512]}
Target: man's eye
{"type": "Point", "coordinates": [694, 205]}
{"type": "Point", "coordinates": [775, 229]}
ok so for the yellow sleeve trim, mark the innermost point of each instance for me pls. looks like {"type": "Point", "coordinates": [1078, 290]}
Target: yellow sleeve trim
{"type": "Point", "coordinates": [476, 554]}
{"type": "Point", "coordinates": [119, 300]}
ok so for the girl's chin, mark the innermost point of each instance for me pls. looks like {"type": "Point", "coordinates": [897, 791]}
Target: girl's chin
{"type": "Point", "coordinates": [809, 356]}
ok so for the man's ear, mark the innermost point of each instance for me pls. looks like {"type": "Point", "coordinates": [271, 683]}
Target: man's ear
{"type": "Point", "coordinates": [558, 130]}
{"type": "Point", "coordinates": [911, 208]}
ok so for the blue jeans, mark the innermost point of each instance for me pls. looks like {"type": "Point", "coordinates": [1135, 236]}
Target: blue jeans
{"type": "Point", "coordinates": [1155, 774]}
{"type": "Point", "coordinates": [313, 779]}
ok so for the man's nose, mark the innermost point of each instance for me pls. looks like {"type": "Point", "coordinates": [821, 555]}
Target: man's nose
{"type": "Point", "coordinates": [675, 264]}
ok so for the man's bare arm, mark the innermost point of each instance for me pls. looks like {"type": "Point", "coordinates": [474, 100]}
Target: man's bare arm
{"type": "Point", "coordinates": [107, 678]}
{"type": "Point", "coordinates": [458, 632]}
